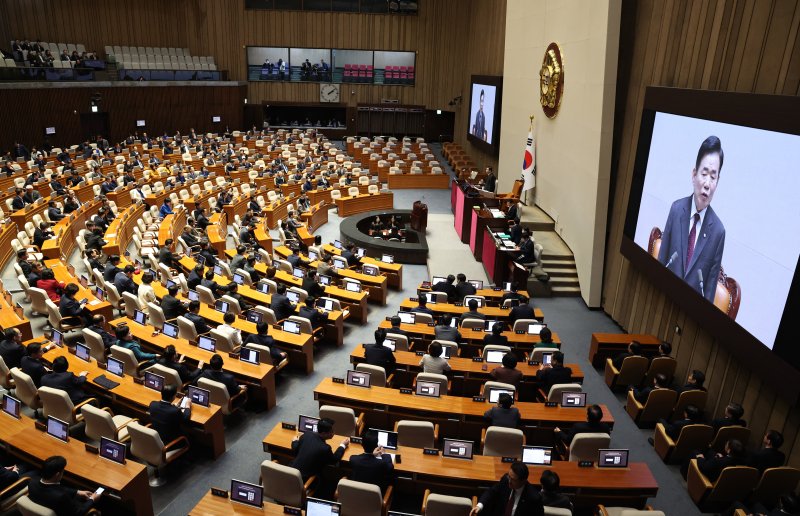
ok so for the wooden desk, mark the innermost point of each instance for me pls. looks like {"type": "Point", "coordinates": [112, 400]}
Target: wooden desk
{"type": "Point", "coordinates": [95, 306]}
{"type": "Point", "coordinates": [457, 416]}
{"type": "Point", "coordinates": [11, 316]}
{"type": "Point", "coordinates": [67, 230]}
{"type": "Point", "coordinates": [171, 226]}
{"type": "Point", "coordinates": [120, 231]}
{"type": "Point", "coordinates": [415, 181]}
{"type": "Point", "coordinates": [351, 205]}
{"type": "Point", "coordinates": [259, 378]}
{"type": "Point", "coordinates": [85, 469]}
{"type": "Point", "coordinates": [276, 211]}
{"type": "Point", "coordinates": [211, 505]}
{"type": "Point", "coordinates": [393, 271]}
{"type": "Point", "coordinates": [606, 345]}
{"type": "Point", "coordinates": [217, 232]}
{"type": "Point", "coordinates": [134, 399]}
{"type": "Point", "coordinates": [315, 218]}
{"type": "Point", "coordinates": [20, 217]}
{"type": "Point", "coordinates": [356, 302]}
{"type": "Point", "coordinates": [493, 297]}
{"type": "Point", "coordinates": [491, 312]}
{"type": "Point", "coordinates": [586, 486]}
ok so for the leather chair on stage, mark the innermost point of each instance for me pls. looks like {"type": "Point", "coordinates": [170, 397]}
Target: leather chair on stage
{"type": "Point", "coordinates": [419, 216]}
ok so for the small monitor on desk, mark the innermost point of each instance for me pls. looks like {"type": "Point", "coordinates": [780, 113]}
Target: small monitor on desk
{"type": "Point", "coordinates": [370, 270]}
{"type": "Point", "coordinates": [250, 356]}
{"type": "Point", "coordinates": [360, 252]}
{"type": "Point", "coordinates": [406, 317]}
{"type": "Point", "coordinates": [200, 260]}
{"type": "Point", "coordinates": [495, 356]}
{"type": "Point", "coordinates": [386, 438]}
{"type": "Point", "coordinates": [246, 493]}
{"type": "Point", "coordinates": [573, 399]}
{"type": "Point", "coordinates": [447, 352]}
{"type": "Point", "coordinates": [82, 352]}
{"type": "Point", "coordinates": [478, 284]}
{"type": "Point", "coordinates": [115, 367]}
{"type": "Point", "coordinates": [358, 378]}
{"type": "Point", "coordinates": [339, 263]}
{"type": "Point", "coordinates": [337, 244]}
{"type": "Point", "coordinates": [537, 455]}
{"type": "Point", "coordinates": [238, 279]}
{"type": "Point", "coordinates": [430, 389]}
{"type": "Point", "coordinates": [430, 297]}
{"type": "Point", "coordinates": [612, 459]}
{"type": "Point", "coordinates": [291, 327]}
{"type": "Point", "coordinates": [153, 381]}
{"type": "Point", "coordinates": [307, 424]}
{"type": "Point", "coordinates": [221, 306]}
{"type": "Point", "coordinates": [489, 324]}
{"type": "Point", "coordinates": [207, 343]}
{"type": "Point", "coordinates": [389, 343]}
{"type": "Point", "coordinates": [100, 294]}
{"type": "Point", "coordinates": [294, 297]}
{"type": "Point", "coordinates": [312, 255]}
{"type": "Point", "coordinates": [316, 507]}
{"type": "Point", "coordinates": [57, 428]}
{"type": "Point", "coordinates": [253, 316]}
{"type": "Point", "coordinates": [494, 394]}
{"type": "Point", "coordinates": [387, 258]}
{"type": "Point", "coordinates": [469, 299]}
{"type": "Point", "coordinates": [536, 328]}
{"type": "Point", "coordinates": [547, 357]}
{"type": "Point", "coordinates": [139, 317]}
{"type": "Point", "coordinates": [169, 284]}
{"type": "Point", "coordinates": [193, 295]}
{"type": "Point", "coordinates": [297, 272]}
{"type": "Point", "coordinates": [507, 286]}
{"type": "Point", "coordinates": [112, 450]}
{"type": "Point", "coordinates": [170, 330]}
{"type": "Point", "coordinates": [437, 279]}
{"type": "Point", "coordinates": [200, 396]}
{"type": "Point", "coordinates": [263, 288]}
{"type": "Point", "coordinates": [218, 270]}
{"type": "Point", "coordinates": [58, 338]}
{"type": "Point", "coordinates": [351, 286]}
{"type": "Point", "coordinates": [11, 406]}
{"type": "Point", "coordinates": [457, 449]}
{"type": "Point", "coordinates": [324, 280]}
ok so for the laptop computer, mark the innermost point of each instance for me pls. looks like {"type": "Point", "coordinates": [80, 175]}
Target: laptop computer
{"type": "Point", "coordinates": [312, 255]}
{"type": "Point", "coordinates": [324, 280]}
{"type": "Point", "coordinates": [437, 279]}
{"type": "Point", "coordinates": [337, 244]}
{"type": "Point", "coordinates": [153, 381]}
{"type": "Point", "coordinates": [406, 317]}
{"type": "Point", "coordinates": [207, 343]}
{"type": "Point", "coordinates": [139, 317]}
{"type": "Point", "coordinates": [339, 263]}
{"type": "Point", "coordinates": [112, 450]}
{"type": "Point", "coordinates": [307, 423]}
{"type": "Point", "coordinates": [251, 356]}
{"type": "Point", "coordinates": [358, 378]}
{"type": "Point", "coordinates": [170, 283]}
{"type": "Point", "coordinates": [57, 428]}
{"type": "Point", "coordinates": [246, 493]}
{"type": "Point", "coordinates": [57, 338]}
{"type": "Point", "coordinates": [494, 356]}
{"type": "Point", "coordinates": [370, 270]}
{"type": "Point", "coordinates": [200, 260]}
{"type": "Point", "coordinates": [430, 389]}
{"type": "Point", "coordinates": [537, 455]}
{"type": "Point", "coordinates": [386, 438]}
{"type": "Point", "coordinates": [294, 297]}
{"type": "Point", "coordinates": [390, 343]}
{"type": "Point", "coordinates": [297, 272]}
{"type": "Point", "coordinates": [170, 330]}
{"type": "Point", "coordinates": [218, 270]}
{"type": "Point", "coordinates": [200, 396]}
{"type": "Point", "coordinates": [494, 394]}
{"type": "Point", "coordinates": [82, 352]}
{"type": "Point", "coordinates": [11, 406]}
{"type": "Point", "coordinates": [573, 399]}
{"type": "Point", "coordinates": [457, 449]}
{"type": "Point", "coordinates": [291, 327]}
{"type": "Point", "coordinates": [612, 458]}
{"type": "Point", "coordinates": [360, 252]}
{"type": "Point", "coordinates": [316, 507]}
{"type": "Point", "coordinates": [221, 306]}
{"type": "Point", "coordinates": [238, 279]}
{"type": "Point", "coordinates": [115, 367]}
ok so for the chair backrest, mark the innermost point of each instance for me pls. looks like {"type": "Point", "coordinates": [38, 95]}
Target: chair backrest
{"type": "Point", "coordinates": [25, 389]}
{"type": "Point", "coordinates": [522, 324]}
{"type": "Point", "coordinates": [97, 349]}
{"type": "Point", "coordinates": [268, 313]}
{"type": "Point", "coordinates": [423, 318]}
{"type": "Point", "coordinates": [28, 508]}
{"type": "Point", "coordinates": [38, 298]}
{"type": "Point", "coordinates": [724, 434]}
{"type": "Point", "coordinates": [344, 419]}
{"type": "Point", "coordinates": [360, 498]}
{"type": "Point", "coordinates": [131, 304]}
{"type": "Point", "coordinates": [496, 385]}
{"type": "Point", "coordinates": [417, 434]}
{"type": "Point", "coordinates": [557, 389]}
{"type": "Point", "coordinates": [733, 483]}
{"type": "Point", "coordinates": [156, 315]}
{"type": "Point", "coordinates": [171, 376]}
{"type": "Point", "coordinates": [585, 446]}
{"type": "Point", "coordinates": [503, 442]}
{"type": "Point", "coordinates": [219, 393]}
{"type": "Point", "coordinates": [186, 329]}
{"type": "Point", "coordinates": [400, 341]}
{"type": "Point", "coordinates": [774, 483]}
{"type": "Point", "coordinates": [445, 505]}
{"type": "Point", "coordinates": [56, 403]}
{"type": "Point", "coordinates": [281, 483]}
{"type": "Point", "coordinates": [5, 375]}
{"type": "Point", "coordinates": [233, 304]}
{"type": "Point", "coordinates": [658, 405]}
{"type": "Point", "coordinates": [471, 323]}
{"type": "Point", "coordinates": [664, 365]}
{"type": "Point", "coordinates": [694, 397]}
{"type": "Point", "coordinates": [437, 378]}
{"type": "Point", "coordinates": [632, 371]}
{"type": "Point", "coordinates": [558, 511]}
{"type": "Point", "coordinates": [146, 444]}
{"type": "Point", "coordinates": [205, 294]}
{"type": "Point", "coordinates": [495, 347]}
{"type": "Point", "coordinates": [377, 374]}
{"type": "Point", "coordinates": [99, 423]}
{"type": "Point", "coordinates": [452, 346]}
{"type": "Point", "coordinates": [691, 438]}
{"type": "Point", "coordinates": [224, 342]}
{"type": "Point", "coordinates": [128, 359]}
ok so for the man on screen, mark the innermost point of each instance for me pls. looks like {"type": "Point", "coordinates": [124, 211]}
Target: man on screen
{"type": "Point", "coordinates": [694, 237]}
{"type": "Point", "coordinates": [479, 129]}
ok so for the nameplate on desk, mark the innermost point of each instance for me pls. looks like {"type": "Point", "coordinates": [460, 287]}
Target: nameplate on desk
{"type": "Point", "coordinates": [480, 399]}
{"type": "Point", "coordinates": [138, 381]}
{"type": "Point", "coordinates": [413, 299]}
{"type": "Point", "coordinates": [458, 304]}
{"type": "Point", "coordinates": [40, 426]}
{"type": "Point", "coordinates": [550, 403]}
{"type": "Point", "coordinates": [92, 448]}
{"type": "Point", "coordinates": [505, 308]}
{"type": "Point", "coordinates": [520, 332]}
{"type": "Point", "coordinates": [404, 390]}
{"type": "Point", "coordinates": [419, 353]}
{"type": "Point", "coordinates": [101, 365]}
{"type": "Point", "coordinates": [497, 289]}
{"type": "Point", "coordinates": [292, 510]}
{"type": "Point", "coordinates": [337, 380]}
{"type": "Point", "coordinates": [477, 359]}
{"type": "Point", "coordinates": [431, 324]}
{"type": "Point", "coordinates": [508, 460]}
{"type": "Point", "coordinates": [356, 440]}
{"type": "Point", "coordinates": [430, 451]}
{"type": "Point", "coordinates": [586, 464]}
{"type": "Point", "coordinates": [276, 326]}
{"type": "Point", "coordinates": [388, 318]}
{"type": "Point", "coordinates": [533, 362]}
{"type": "Point", "coordinates": [219, 492]}
{"type": "Point", "coordinates": [233, 355]}
{"type": "Point", "coordinates": [288, 426]}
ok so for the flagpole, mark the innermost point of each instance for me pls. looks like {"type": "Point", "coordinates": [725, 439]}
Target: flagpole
{"type": "Point", "coordinates": [530, 130]}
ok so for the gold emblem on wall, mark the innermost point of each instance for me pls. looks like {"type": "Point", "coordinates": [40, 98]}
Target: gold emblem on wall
{"type": "Point", "coordinates": [551, 81]}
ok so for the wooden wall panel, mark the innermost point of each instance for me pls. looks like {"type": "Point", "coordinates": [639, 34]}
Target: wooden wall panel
{"type": "Point", "coordinates": [742, 45]}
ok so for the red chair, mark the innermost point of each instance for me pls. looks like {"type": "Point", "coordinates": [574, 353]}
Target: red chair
{"type": "Point", "coordinates": [387, 75]}
{"type": "Point", "coordinates": [362, 76]}
{"type": "Point", "coordinates": [347, 73]}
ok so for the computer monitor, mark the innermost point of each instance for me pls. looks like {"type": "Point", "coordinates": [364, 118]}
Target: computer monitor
{"type": "Point", "coordinates": [112, 450]}
{"type": "Point", "coordinates": [324, 280]}
{"type": "Point", "coordinates": [612, 458]}
{"type": "Point", "coordinates": [325, 304]}
{"type": "Point", "coordinates": [84, 280]}
{"type": "Point", "coordinates": [200, 260]}
{"type": "Point", "coordinates": [358, 378]}
{"type": "Point", "coordinates": [457, 449]}
{"type": "Point", "coordinates": [100, 294]}
{"type": "Point", "coordinates": [253, 316]}
{"type": "Point", "coordinates": [406, 317]}
{"type": "Point", "coordinates": [200, 396]}
{"type": "Point", "coordinates": [352, 287]}
{"type": "Point", "coordinates": [238, 279]}
{"type": "Point", "coordinates": [386, 438]}
{"type": "Point", "coordinates": [170, 330]}
{"type": "Point", "coordinates": [437, 279]}
{"type": "Point", "coordinates": [312, 255]}
{"type": "Point", "coordinates": [489, 324]}
{"type": "Point", "coordinates": [494, 356]}
{"type": "Point", "coordinates": [11, 406]}
{"type": "Point", "coordinates": [316, 507]}
{"type": "Point", "coordinates": [537, 455]}
{"type": "Point", "coordinates": [58, 338]}
{"type": "Point", "coordinates": [360, 252]}
{"type": "Point", "coordinates": [387, 258]}
{"type": "Point", "coordinates": [153, 381]}
{"type": "Point", "coordinates": [207, 343]}
{"type": "Point", "coordinates": [294, 297]}
{"type": "Point", "coordinates": [82, 352]}
{"type": "Point", "coordinates": [307, 424]}
{"type": "Point", "coordinates": [547, 357]}
{"type": "Point", "coordinates": [339, 263]}
{"type": "Point", "coordinates": [454, 322]}
{"type": "Point", "coordinates": [573, 399]}
{"type": "Point", "coordinates": [507, 286]}
{"type": "Point", "coordinates": [291, 327]}
{"type": "Point", "coordinates": [389, 343]}
{"type": "Point", "coordinates": [246, 493]}
{"type": "Point", "coordinates": [494, 394]}
{"type": "Point", "coordinates": [370, 270]}
{"type": "Point", "coordinates": [430, 389]}
{"type": "Point", "coordinates": [251, 356]}
{"type": "Point", "coordinates": [153, 272]}
{"type": "Point", "coordinates": [218, 270]}
{"type": "Point", "coordinates": [536, 328]}
{"type": "Point", "coordinates": [430, 297]}
{"type": "Point", "coordinates": [57, 428]}
{"type": "Point", "coordinates": [263, 288]}
{"type": "Point", "coordinates": [221, 306]}
{"type": "Point", "coordinates": [170, 283]}
{"type": "Point", "coordinates": [478, 284]}
{"type": "Point", "coordinates": [139, 317]}
{"type": "Point", "coordinates": [297, 272]}
{"type": "Point", "coordinates": [115, 367]}
{"type": "Point", "coordinates": [446, 352]}
{"type": "Point", "coordinates": [337, 244]}
{"type": "Point", "coordinates": [193, 295]}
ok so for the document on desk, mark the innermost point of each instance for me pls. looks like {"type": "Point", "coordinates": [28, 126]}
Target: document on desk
{"type": "Point", "coordinates": [94, 302]}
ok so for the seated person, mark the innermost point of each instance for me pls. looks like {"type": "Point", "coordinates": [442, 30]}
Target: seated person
{"type": "Point", "coordinates": [444, 330]}
{"type": "Point", "coordinates": [125, 340]}
{"type": "Point", "coordinates": [396, 329]}
{"type": "Point", "coordinates": [521, 311]}
{"type": "Point", "coordinates": [504, 414]}
{"type": "Point", "coordinates": [318, 318]}
{"type": "Point", "coordinates": [550, 491]}
{"type": "Point", "coordinates": [472, 313]}
{"type": "Point", "coordinates": [379, 355]}
{"type": "Point", "coordinates": [32, 363]}
{"type": "Point", "coordinates": [70, 307]}
{"type": "Point", "coordinates": [65, 380]}
{"type": "Point", "coordinates": [262, 338]}
{"type": "Point", "coordinates": [463, 288]}
{"type": "Point", "coordinates": [422, 306]}
{"type": "Point", "coordinates": [280, 304]}
{"type": "Point", "coordinates": [11, 348]}
{"type": "Point", "coordinates": [447, 287]}
{"type": "Point", "coordinates": [227, 329]}
{"type": "Point", "coordinates": [147, 294]}
{"type": "Point", "coordinates": [99, 327]}
{"type": "Point", "coordinates": [691, 416]}
{"type": "Point", "coordinates": [508, 372]}
{"type": "Point", "coordinates": [433, 362]}
{"type": "Point", "coordinates": [694, 382]}
{"type": "Point", "coordinates": [311, 286]}
{"type": "Point", "coordinates": [46, 490]}
{"type": "Point", "coordinates": [546, 339]}
{"type": "Point", "coordinates": [169, 359]}
{"type": "Point", "coordinates": [769, 456]}
{"type": "Point", "coordinates": [312, 453]}
{"type": "Point", "coordinates": [112, 268]}
{"type": "Point", "coordinates": [496, 337]}
{"type": "Point", "coordinates": [733, 417]}
{"type": "Point", "coordinates": [374, 466]}
{"type": "Point", "coordinates": [167, 418]}
{"type": "Point", "coordinates": [594, 424]}
{"type": "Point", "coordinates": [194, 315]}
{"type": "Point", "coordinates": [711, 464]}
{"type": "Point", "coordinates": [634, 350]}
{"type": "Point", "coordinates": [210, 283]}
{"type": "Point", "coordinates": [123, 281]}
{"type": "Point", "coordinates": [553, 373]}
{"type": "Point", "coordinates": [214, 372]}
{"type": "Point", "coordinates": [233, 291]}
{"type": "Point", "coordinates": [641, 395]}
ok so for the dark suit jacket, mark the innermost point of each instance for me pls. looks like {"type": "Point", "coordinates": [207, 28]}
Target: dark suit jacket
{"type": "Point", "coordinates": [469, 314]}
{"type": "Point", "coordinates": [727, 421]}
{"type": "Point", "coordinates": [125, 284]}
{"type": "Point", "coordinates": [172, 307]}
{"type": "Point", "coordinates": [498, 416]}
{"type": "Point", "coordinates": [380, 356]}
{"type": "Point", "coordinates": [399, 331]}
{"type": "Point", "coordinates": [523, 311]}
{"type": "Point", "coordinates": [199, 323]}
{"type": "Point", "coordinates": [707, 256]}
{"type": "Point", "coordinates": [641, 395]}
{"type": "Point", "coordinates": [712, 468]}
{"type": "Point", "coordinates": [110, 272]}
{"type": "Point", "coordinates": [495, 499]}
{"type": "Point", "coordinates": [68, 382]}
{"type": "Point", "coordinates": [166, 257]}
{"type": "Point", "coordinates": [17, 203]}
{"type": "Point", "coordinates": [583, 428]}
{"type": "Point", "coordinates": [181, 369]}
{"type": "Point", "coordinates": [499, 340]}
{"type": "Point", "coordinates": [7, 477]}
{"type": "Point", "coordinates": [167, 419]}
{"type": "Point", "coordinates": [447, 288]}
{"type": "Point", "coordinates": [526, 252]}
{"type": "Point", "coordinates": [371, 469]}
{"type": "Point", "coordinates": [33, 368]}
{"type": "Point", "coordinates": [12, 353]}
{"type": "Point", "coordinates": [620, 358]}
{"type": "Point", "coordinates": [224, 378]}
{"type": "Point", "coordinates": [552, 375]}
{"type": "Point", "coordinates": [265, 340]}
{"type": "Point", "coordinates": [464, 289]}
{"type": "Point", "coordinates": [312, 454]}
{"type": "Point", "coordinates": [69, 307]}
{"type": "Point", "coordinates": [281, 306]}
{"type": "Point", "coordinates": [63, 500]}
{"type": "Point", "coordinates": [40, 236]}
{"type": "Point", "coordinates": [193, 279]}
{"type": "Point", "coordinates": [313, 288]}
{"type": "Point", "coordinates": [674, 429]}
{"type": "Point", "coordinates": [766, 458]}
{"type": "Point", "coordinates": [315, 316]}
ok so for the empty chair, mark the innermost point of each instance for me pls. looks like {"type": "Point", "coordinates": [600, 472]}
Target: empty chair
{"type": "Point", "coordinates": [377, 375]}
{"type": "Point", "coordinates": [536, 354]}
{"type": "Point", "coordinates": [131, 304]}
{"type": "Point", "coordinates": [57, 403]}
{"type": "Point", "coordinates": [489, 386]}
{"type": "Point", "coordinates": [417, 434]}
{"type": "Point", "coordinates": [470, 323]}
{"type": "Point", "coordinates": [631, 373]}
{"type": "Point", "coordinates": [362, 499]}
{"type": "Point", "coordinates": [774, 483]}
{"type": "Point", "coordinates": [345, 420]}
{"type": "Point", "coordinates": [556, 511]}
{"type": "Point", "coordinates": [423, 318]}
{"type": "Point", "coordinates": [658, 405]}
{"type": "Point", "coordinates": [664, 365]}
{"type": "Point", "coordinates": [691, 438]}
{"type": "Point", "coordinates": [220, 396]}
{"type": "Point", "coordinates": [186, 329]}
{"type": "Point", "coordinates": [352, 191]}
{"type": "Point", "coordinates": [130, 364]}
{"type": "Point", "coordinates": [284, 484]}
{"type": "Point", "coordinates": [156, 315]}
{"type": "Point", "coordinates": [101, 422]}
{"type": "Point", "coordinates": [522, 324]}
{"type": "Point", "coordinates": [38, 299]}
{"type": "Point", "coordinates": [400, 341]}
{"type": "Point", "coordinates": [560, 388]}
{"type": "Point", "coordinates": [586, 446]}
{"type": "Point", "coordinates": [171, 376]}
{"type": "Point", "coordinates": [147, 445]}
{"type": "Point", "coordinates": [97, 349]}
{"type": "Point", "coordinates": [26, 391]}
{"type": "Point", "coordinates": [444, 505]}
{"type": "Point", "coordinates": [444, 383]}
{"type": "Point", "coordinates": [5, 376]}
{"type": "Point", "coordinates": [502, 442]}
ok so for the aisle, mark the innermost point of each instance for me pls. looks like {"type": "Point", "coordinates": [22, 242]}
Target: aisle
{"type": "Point", "coordinates": [446, 253]}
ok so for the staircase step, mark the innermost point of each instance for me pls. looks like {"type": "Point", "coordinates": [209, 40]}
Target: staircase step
{"type": "Point", "coordinates": [564, 282]}
{"type": "Point", "coordinates": [557, 263]}
{"type": "Point", "coordinates": [539, 225]}
{"type": "Point", "coordinates": [565, 291]}
{"type": "Point", "coordinates": [562, 273]}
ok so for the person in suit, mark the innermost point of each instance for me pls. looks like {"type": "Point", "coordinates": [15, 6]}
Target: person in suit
{"type": "Point", "coordinates": [641, 395]}
{"type": "Point", "coordinates": [634, 350]}
{"type": "Point", "coordinates": [32, 365]}
{"type": "Point", "coordinates": [280, 304]}
{"type": "Point", "coordinates": [463, 288]}
{"type": "Point", "coordinates": [98, 326]}
{"type": "Point", "coordinates": [166, 256]}
{"type": "Point", "coordinates": [214, 372]}
{"type": "Point", "coordinates": [472, 313]}
{"type": "Point", "coordinates": [691, 415]}
{"type": "Point", "coordinates": [526, 248]}
{"type": "Point", "coordinates": [125, 340]}
{"type": "Point", "coordinates": [17, 202]}
{"type": "Point", "coordinates": [312, 453]}
{"type": "Point", "coordinates": [124, 281]}
{"type": "Point", "coordinates": [53, 212]}
{"type": "Point", "coordinates": [317, 317]}
{"type": "Point", "coordinates": [194, 315]}
{"type": "Point", "coordinates": [210, 283]}
{"type": "Point", "coordinates": [65, 380]}
{"type": "Point", "coordinates": [594, 424]}
{"type": "Point", "coordinates": [445, 331]}
{"type": "Point", "coordinates": [94, 240]}
{"type": "Point", "coordinates": [41, 234]}
{"type": "Point", "coordinates": [11, 349]}
{"type": "Point", "coordinates": [23, 262]}
{"type": "Point", "coordinates": [166, 417]}
{"type": "Point", "coordinates": [233, 292]}
{"type": "Point", "coordinates": [8, 475]}
{"type": "Point", "coordinates": [373, 466]}
{"type": "Point", "coordinates": [733, 417]}
{"type": "Point", "coordinates": [311, 286]}
{"type": "Point", "coordinates": [112, 268]}
{"type": "Point", "coordinates": [208, 253]}
{"type": "Point", "coordinates": [712, 465]}
{"type": "Point", "coordinates": [496, 336]}
{"type": "Point", "coordinates": [515, 231]}
{"type": "Point", "coordinates": [396, 329]}
{"type": "Point", "coordinates": [521, 311]}
{"type": "Point", "coordinates": [46, 490]}
{"type": "Point", "coordinates": [479, 127]}
{"type": "Point", "coordinates": [237, 262]}
{"type": "Point", "coordinates": [513, 495]}
{"type": "Point", "coordinates": [262, 338]}
{"type": "Point", "coordinates": [508, 372]}
{"type": "Point", "coordinates": [694, 382]}
{"type": "Point", "coordinates": [554, 372]}
{"type": "Point", "coordinates": [447, 287]}
{"type": "Point", "coordinates": [169, 359]}
{"type": "Point", "coordinates": [31, 195]}
{"type": "Point", "coordinates": [769, 456]}
{"type": "Point", "coordinates": [171, 305]}
{"type": "Point", "coordinates": [550, 491]}
{"type": "Point", "coordinates": [422, 306]}
{"type": "Point", "coordinates": [379, 355]}
{"type": "Point", "coordinates": [490, 181]}
{"type": "Point", "coordinates": [70, 307]}
{"type": "Point", "coordinates": [348, 253]}
{"type": "Point", "coordinates": [693, 239]}
{"type": "Point", "coordinates": [504, 414]}
{"type": "Point", "coordinates": [195, 277]}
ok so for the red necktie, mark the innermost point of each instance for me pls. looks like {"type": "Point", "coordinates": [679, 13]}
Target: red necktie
{"type": "Point", "coordinates": [510, 506]}
{"type": "Point", "coordinates": [692, 235]}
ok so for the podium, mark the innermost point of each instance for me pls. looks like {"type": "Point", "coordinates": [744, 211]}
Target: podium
{"type": "Point", "coordinates": [419, 216]}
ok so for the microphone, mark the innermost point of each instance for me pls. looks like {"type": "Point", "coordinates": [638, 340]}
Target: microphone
{"type": "Point", "coordinates": [672, 259]}
{"type": "Point", "coordinates": [700, 277]}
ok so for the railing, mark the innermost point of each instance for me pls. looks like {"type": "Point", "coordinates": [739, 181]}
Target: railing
{"type": "Point", "coordinates": [169, 75]}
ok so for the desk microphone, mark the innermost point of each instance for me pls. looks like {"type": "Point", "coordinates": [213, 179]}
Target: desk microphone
{"type": "Point", "coordinates": [700, 277]}
{"type": "Point", "coordinates": [672, 259]}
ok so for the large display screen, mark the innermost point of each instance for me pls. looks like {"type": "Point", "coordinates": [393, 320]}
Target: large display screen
{"type": "Point", "coordinates": [713, 216]}
{"type": "Point", "coordinates": [484, 112]}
